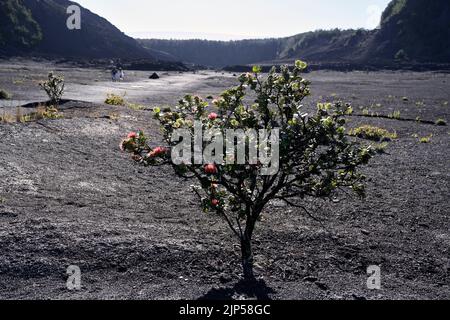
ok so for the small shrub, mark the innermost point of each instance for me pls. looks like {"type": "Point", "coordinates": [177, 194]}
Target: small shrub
{"type": "Point", "coordinates": [441, 122]}
{"type": "Point", "coordinates": [401, 56]}
{"type": "Point", "coordinates": [4, 95]}
{"type": "Point", "coordinates": [51, 113]}
{"type": "Point", "coordinates": [315, 159]}
{"type": "Point", "coordinates": [115, 100]}
{"type": "Point", "coordinates": [426, 139]}
{"type": "Point", "coordinates": [54, 87]}
{"type": "Point", "coordinates": [373, 133]}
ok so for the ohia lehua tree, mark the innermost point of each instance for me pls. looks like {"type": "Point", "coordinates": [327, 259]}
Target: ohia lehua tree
{"type": "Point", "coordinates": [314, 156]}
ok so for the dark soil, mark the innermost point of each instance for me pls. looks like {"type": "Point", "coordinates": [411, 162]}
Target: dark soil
{"type": "Point", "coordinates": [68, 196]}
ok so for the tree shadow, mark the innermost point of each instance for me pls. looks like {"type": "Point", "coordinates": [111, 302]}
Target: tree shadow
{"type": "Point", "coordinates": [250, 288]}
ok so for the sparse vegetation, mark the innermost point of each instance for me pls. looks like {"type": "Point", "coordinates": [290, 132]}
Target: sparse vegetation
{"type": "Point", "coordinates": [7, 118]}
{"type": "Point", "coordinates": [441, 122]}
{"type": "Point", "coordinates": [420, 103]}
{"type": "Point", "coordinates": [42, 112]}
{"type": "Point", "coordinates": [54, 87]}
{"type": "Point", "coordinates": [51, 112]}
{"type": "Point", "coordinates": [401, 56]}
{"type": "Point", "coordinates": [426, 139]}
{"type": "Point", "coordinates": [373, 133]}
{"type": "Point", "coordinates": [113, 116]}
{"type": "Point", "coordinates": [380, 148]}
{"type": "Point", "coordinates": [135, 107]}
{"type": "Point", "coordinates": [395, 115]}
{"type": "Point", "coordinates": [115, 100]}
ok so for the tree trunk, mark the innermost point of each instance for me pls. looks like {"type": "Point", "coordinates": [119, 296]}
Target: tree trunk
{"type": "Point", "coordinates": [247, 258]}
{"type": "Point", "coordinates": [246, 249]}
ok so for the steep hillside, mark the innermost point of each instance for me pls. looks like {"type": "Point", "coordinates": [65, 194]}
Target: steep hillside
{"type": "Point", "coordinates": [42, 29]}
{"type": "Point", "coordinates": [410, 30]}
{"type": "Point", "coordinates": [418, 28]}
{"type": "Point", "coordinates": [18, 29]}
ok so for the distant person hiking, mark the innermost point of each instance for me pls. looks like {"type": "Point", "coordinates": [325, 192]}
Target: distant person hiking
{"type": "Point", "coordinates": [117, 74]}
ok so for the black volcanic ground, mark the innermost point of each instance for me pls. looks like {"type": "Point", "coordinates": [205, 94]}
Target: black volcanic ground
{"type": "Point", "coordinates": [69, 197]}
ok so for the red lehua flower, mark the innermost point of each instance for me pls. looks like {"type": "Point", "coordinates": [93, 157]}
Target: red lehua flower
{"type": "Point", "coordinates": [211, 168]}
{"type": "Point", "coordinates": [215, 202]}
{"type": "Point", "coordinates": [213, 116]}
{"type": "Point", "coordinates": [132, 135]}
{"type": "Point", "coordinates": [157, 152]}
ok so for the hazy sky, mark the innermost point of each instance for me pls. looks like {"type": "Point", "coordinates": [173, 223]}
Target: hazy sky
{"type": "Point", "coordinates": [234, 19]}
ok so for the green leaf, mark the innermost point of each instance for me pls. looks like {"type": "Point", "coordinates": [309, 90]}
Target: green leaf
{"type": "Point", "coordinates": [257, 69]}
{"type": "Point", "coordinates": [301, 65]}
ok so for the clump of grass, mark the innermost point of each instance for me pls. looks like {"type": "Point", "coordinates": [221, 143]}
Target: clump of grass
{"type": "Point", "coordinates": [441, 122]}
{"type": "Point", "coordinates": [426, 139]}
{"type": "Point", "coordinates": [22, 118]}
{"type": "Point", "coordinates": [135, 106]}
{"type": "Point", "coordinates": [395, 115]}
{"type": "Point", "coordinates": [115, 100]}
{"type": "Point", "coordinates": [7, 118]}
{"type": "Point", "coordinates": [4, 95]}
{"type": "Point", "coordinates": [47, 113]}
{"type": "Point", "coordinates": [42, 112]}
{"type": "Point", "coordinates": [365, 112]}
{"type": "Point", "coordinates": [380, 147]}
{"type": "Point", "coordinates": [373, 133]}
{"type": "Point", "coordinates": [420, 103]}
{"type": "Point", "coordinates": [113, 116]}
